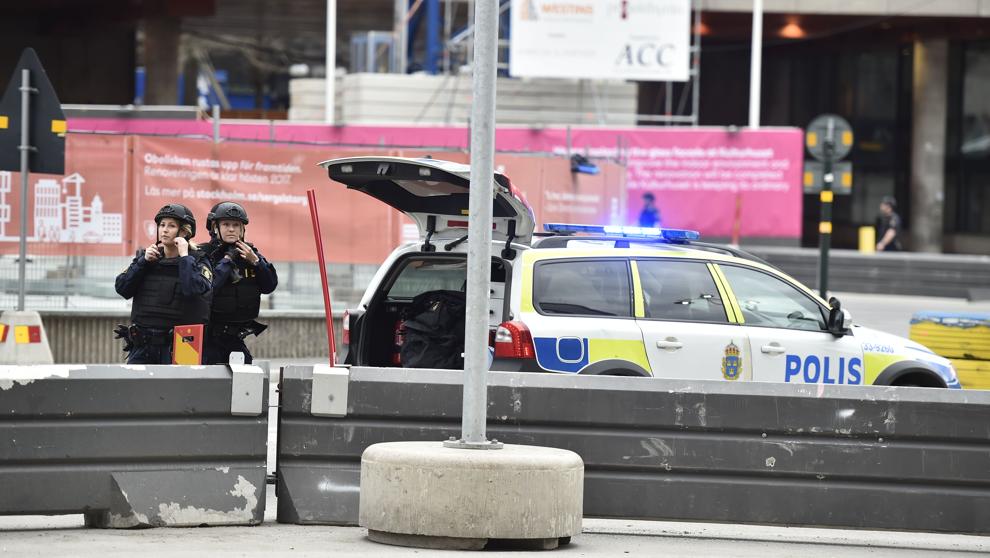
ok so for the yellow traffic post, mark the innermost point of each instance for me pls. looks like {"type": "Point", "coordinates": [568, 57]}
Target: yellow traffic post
{"type": "Point", "coordinates": [867, 240]}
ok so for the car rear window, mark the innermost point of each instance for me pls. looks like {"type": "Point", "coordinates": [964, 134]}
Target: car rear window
{"type": "Point", "coordinates": [583, 288]}
{"type": "Point", "coordinates": [436, 274]}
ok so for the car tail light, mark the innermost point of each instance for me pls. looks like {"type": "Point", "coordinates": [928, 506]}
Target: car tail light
{"type": "Point", "coordinates": [346, 321]}
{"type": "Point", "coordinates": [398, 338]}
{"type": "Point", "coordinates": [513, 340]}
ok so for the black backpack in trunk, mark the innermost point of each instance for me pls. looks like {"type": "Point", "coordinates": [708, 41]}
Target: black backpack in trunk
{"type": "Point", "coordinates": [434, 331]}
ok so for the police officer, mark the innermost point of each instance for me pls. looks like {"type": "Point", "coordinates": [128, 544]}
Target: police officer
{"type": "Point", "coordinates": [888, 226]}
{"type": "Point", "coordinates": [242, 276]}
{"type": "Point", "coordinates": [171, 284]}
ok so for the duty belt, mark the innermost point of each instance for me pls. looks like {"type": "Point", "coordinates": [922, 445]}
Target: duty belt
{"type": "Point", "coordinates": [141, 336]}
{"type": "Point", "coordinates": [239, 331]}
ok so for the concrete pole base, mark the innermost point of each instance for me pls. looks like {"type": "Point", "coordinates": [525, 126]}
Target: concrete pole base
{"type": "Point", "coordinates": [421, 494]}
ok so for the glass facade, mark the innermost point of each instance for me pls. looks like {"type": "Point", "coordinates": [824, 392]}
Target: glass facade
{"type": "Point", "coordinates": [867, 84]}
{"type": "Point", "coordinates": [968, 140]}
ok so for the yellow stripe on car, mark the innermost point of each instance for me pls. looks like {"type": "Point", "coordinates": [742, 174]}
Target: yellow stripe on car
{"type": "Point", "coordinates": [638, 305]}
{"type": "Point", "coordinates": [740, 319]}
{"type": "Point", "coordinates": [631, 350]}
{"type": "Point", "coordinates": [875, 363]}
{"type": "Point", "coordinates": [730, 314]}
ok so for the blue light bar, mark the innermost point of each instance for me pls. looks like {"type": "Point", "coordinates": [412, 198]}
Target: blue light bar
{"type": "Point", "coordinates": [670, 235]}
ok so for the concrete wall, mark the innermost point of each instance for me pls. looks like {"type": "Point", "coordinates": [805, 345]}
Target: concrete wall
{"type": "Point", "coordinates": [87, 337]}
{"type": "Point", "coordinates": [421, 99]}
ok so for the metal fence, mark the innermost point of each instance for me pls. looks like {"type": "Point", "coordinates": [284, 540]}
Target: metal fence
{"type": "Point", "coordinates": [76, 282]}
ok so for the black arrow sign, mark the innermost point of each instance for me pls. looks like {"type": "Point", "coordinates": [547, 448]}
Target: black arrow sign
{"type": "Point", "coordinates": [46, 122]}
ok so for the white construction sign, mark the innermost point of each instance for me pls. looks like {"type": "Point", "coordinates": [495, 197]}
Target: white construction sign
{"type": "Point", "coordinates": [643, 40]}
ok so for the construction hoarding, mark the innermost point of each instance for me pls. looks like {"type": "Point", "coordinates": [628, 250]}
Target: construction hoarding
{"type": "Point", "coordinates": [105, 203]}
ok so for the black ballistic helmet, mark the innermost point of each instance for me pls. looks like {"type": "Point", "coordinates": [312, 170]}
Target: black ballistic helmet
{"type": "Point", "coordinates": [228, 211]}
{"type": "Point", "coordinates": [178, 212]}
{"type": "Point", "coordinates": [209, 220]}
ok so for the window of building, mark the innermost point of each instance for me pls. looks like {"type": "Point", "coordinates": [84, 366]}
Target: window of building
{"type": "Point", "coordinates": [968, 141]}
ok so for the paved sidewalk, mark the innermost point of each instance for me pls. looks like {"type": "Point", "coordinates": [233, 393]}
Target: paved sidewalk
{"type": "Point", "coordinates": [65, 536]}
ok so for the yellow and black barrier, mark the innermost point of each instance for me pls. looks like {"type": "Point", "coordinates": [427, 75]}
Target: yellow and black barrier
{"type": "Point", "coordinates": [963, 338]}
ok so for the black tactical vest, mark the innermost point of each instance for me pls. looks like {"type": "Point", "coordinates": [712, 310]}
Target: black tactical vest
{"type": "Point", "coordinates": [234, 302]}
{"type": "Point", "coordinates": [237, 302]}
{"type": "Point", "coordinates": [159, 303]}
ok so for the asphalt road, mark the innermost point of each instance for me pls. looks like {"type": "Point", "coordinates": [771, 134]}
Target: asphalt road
{"type": "Point", "coordinates": [892, 313]}
{"type": "Point", "coordinates": [65, 536]}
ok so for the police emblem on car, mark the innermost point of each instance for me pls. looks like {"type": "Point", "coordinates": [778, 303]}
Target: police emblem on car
{"type": "Point", "coordinates": [731, 362]}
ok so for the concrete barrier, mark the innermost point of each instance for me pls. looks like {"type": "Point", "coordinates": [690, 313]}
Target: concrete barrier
{"type": "Point", "coordinates": [23, 339]}
{"type": "Point", "coordinates": [132, 446]}
{"type": "Point", "coordinates": [844, 456]}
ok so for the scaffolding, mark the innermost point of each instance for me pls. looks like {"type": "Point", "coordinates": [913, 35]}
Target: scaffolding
{"type": "Point", "coordinates": [441, 31]}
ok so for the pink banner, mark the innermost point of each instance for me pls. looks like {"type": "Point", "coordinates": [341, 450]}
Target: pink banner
{"type": "Point", "coordinates": [114, 184]}
{"type": "Point", "coordinates": [719, 182]}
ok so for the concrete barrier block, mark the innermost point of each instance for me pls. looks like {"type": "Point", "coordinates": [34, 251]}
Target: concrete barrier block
{"type": "Point", "coordinates": [23, 339]}
{"type": "Point", "coordinates": [183, 499]}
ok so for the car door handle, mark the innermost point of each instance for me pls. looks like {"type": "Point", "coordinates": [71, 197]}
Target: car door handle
{"type": "Point", "coordinates": [670, 344]}
{"type": "Point", "coordinates": [773, 349]}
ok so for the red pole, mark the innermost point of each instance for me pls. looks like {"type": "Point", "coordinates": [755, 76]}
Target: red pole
{"type": "Point", "coordinates": [315, 217]}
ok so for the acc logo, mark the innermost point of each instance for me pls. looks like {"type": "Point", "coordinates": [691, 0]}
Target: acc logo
{"type": "Point", "coordinates": [731, 362]}
{"type": "Point", "coordinates": [646, 55]}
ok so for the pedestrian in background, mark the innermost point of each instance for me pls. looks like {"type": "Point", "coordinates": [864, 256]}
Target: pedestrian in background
{"type": "Point", "coordinates": [650, 215]}
{"type": "Point", "coordinates": [171, 283]}
{"type": "Point", "coordinates": [888, 226]}
{"type": "Point", "coordinates": [242, 276]}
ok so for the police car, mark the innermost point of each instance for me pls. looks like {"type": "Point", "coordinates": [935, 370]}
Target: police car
{"type": "Point", "coordinates": [612, 300]}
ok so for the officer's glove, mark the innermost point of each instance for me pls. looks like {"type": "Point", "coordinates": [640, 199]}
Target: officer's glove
{"type": "Point", "coordinates": [122, 332]}
{"type": "Point", "coordinates": [234, 255]}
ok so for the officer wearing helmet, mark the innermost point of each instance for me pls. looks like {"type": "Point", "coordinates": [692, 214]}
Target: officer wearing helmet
{"type": "Point", "coordinates": [241, 276]}
{"type": "Point", "coordinates": [171, 283]}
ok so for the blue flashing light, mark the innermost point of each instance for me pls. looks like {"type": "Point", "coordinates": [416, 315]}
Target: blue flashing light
{"type": "Point", "coordinates": [632, 231]}
{"type": "Point", "coordinates": [670, 235]}
{"type": "Point", "coordinates": [565, 227]}
{"type": "Point", "coordinates": [680, 235]}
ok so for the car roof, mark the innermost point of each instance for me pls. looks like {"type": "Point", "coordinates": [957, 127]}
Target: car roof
{"type": "Point", "coordinates": [564, 240]}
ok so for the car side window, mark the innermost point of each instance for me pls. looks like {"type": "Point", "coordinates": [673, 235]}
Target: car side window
{"type": "Point", "coordinates": [680, 290]}
{"type": "Point", "coordinates": [582, 288]}
{"type": "Point", "coordinates": [768, 301]}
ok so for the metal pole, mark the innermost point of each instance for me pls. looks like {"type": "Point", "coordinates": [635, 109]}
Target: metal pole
{"type": "Point", "coordinates": [25, 151]}
{"type": "Point", "coordinates": [825, 224]}
{"type": "Point", "coordinates": [755, 65]}
{"type": "Point", "coordinates": [696, 63]}
{"type": "Point", "coordinates": [330, 98]}
{"type": "Point", "coordinates": [668, 100]}
{"type": "Point", "coordinates": [400, 30]}
{"type": "Point", "coordinates": [216, 123]}
{"type": "Point", "coordinates": [480, 225]}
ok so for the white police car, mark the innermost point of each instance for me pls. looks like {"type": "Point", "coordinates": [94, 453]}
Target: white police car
{"type": "Point", "coordinates": [582, 299]}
